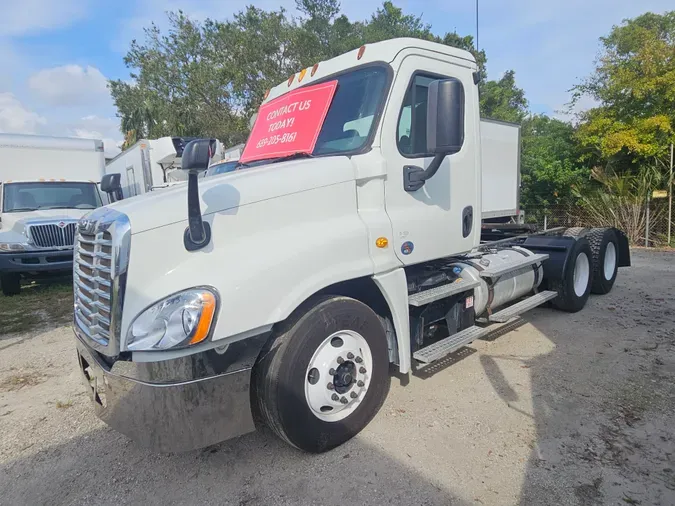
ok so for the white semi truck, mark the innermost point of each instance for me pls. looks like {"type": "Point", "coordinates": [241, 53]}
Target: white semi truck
{"type": "Point", "coordinates": [46, 185]}
{"type": "Point", "coordinates": [283, 293]}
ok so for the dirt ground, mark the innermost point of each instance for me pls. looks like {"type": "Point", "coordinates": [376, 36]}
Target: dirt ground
{"type": "Point", "coordinates": [564, 409]}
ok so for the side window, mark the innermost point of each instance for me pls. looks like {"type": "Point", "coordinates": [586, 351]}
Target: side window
{"type": "Point", "coordinates": [411, 137]}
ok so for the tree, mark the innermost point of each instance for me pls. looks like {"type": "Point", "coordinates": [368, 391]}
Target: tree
{"type": "Point", "coordinates": [550, 164]}
{"type": "Point", "coordinates": [634, 83]}
{"type": "Point", "coordinates": [503, 100]}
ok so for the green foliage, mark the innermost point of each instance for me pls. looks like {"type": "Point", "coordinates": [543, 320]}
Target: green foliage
{"type": "Point", "coordinates": [634, 83]}
{"type": "Point", "coordinates": [549, 163]}
{"type": "Point", "coordinates": [503, 100]}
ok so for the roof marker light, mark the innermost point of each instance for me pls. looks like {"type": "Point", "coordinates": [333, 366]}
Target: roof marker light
{"type": "Point", "coordinates": [362, 50]}
{"type": "Point", "coordinates": [290, 79]}
{"type": "Point", "coordinates": [301, 75]}
{"type": "Point", "coordinates": [314, 69]}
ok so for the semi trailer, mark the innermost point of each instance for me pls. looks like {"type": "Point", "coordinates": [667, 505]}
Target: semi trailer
{"type": "Point", "coordinates": [46, 185]}
{"type": "Point", "coordinates": [347, 244]}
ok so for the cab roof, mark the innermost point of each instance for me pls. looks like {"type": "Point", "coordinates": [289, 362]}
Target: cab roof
{"type": "Point", "coordinates": [385, 51]}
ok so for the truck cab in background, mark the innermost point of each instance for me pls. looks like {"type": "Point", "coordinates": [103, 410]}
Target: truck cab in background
{"type": "Point", "coordinates": [349, 243]}
{"type": "Point", "coordinates": [48, 184]}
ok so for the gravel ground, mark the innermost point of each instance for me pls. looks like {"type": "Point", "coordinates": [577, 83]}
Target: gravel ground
{"type": "Point", "coordinates": [564, 409]}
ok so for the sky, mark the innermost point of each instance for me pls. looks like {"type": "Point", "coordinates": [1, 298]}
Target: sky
{"type": "Point", "coordinates": [57, 56]}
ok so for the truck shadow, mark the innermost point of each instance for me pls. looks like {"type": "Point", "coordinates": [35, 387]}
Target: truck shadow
{"type": "Point", "coordinates": [602, 433]}
{"type": "Point", "coordinates": [104, 467]}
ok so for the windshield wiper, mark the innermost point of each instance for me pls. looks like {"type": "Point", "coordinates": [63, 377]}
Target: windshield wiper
{"type": "Point", "coordinates": [22, 209]}
{"type": "Point", "coordinates": [263, 161]}
{"type": "Point", "coordinates": [70, 207]}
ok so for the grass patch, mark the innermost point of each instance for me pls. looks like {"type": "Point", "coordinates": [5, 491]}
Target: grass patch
{"type": "Point", "coordinates": [20, 380]}
{"type": "Point", "coordinates": [63, 404]}
{"type": "Point", "coordinates": [39, 305]}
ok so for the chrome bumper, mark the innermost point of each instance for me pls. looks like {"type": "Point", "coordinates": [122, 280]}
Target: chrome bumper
{"type": "Point", "coordinates": [175, 405]}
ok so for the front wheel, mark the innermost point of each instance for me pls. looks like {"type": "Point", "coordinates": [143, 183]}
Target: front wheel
{"type": "Point", "coordinates": [326, 374]}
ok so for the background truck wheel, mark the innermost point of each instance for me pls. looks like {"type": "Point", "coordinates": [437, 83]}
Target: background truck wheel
{"type": "Point", "coordinates": [575, 286]}
{"type": "Point", "coordinates": [10, 283]}
{"type": "Point", "coordinates": [605, 249]}
{"type": "Point", "coordinates": [325, 375]}
{"type": "Point", "coordinates": [575, 232]}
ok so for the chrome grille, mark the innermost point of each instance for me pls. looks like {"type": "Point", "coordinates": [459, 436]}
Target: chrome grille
{"type": "Point", "coordinates": [101, 259]}
{"type": "Point", "coordinates": [93, 284]}
{"type": "Point", "coordinates": [53, 235]}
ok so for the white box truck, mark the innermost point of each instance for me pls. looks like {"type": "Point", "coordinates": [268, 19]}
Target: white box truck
{"type": "Point", "coordinates": [46, 185]}
{"type": "Point", "coordinates": [151, 164]}
{"type": "Point", "coordinates": [285, 291]}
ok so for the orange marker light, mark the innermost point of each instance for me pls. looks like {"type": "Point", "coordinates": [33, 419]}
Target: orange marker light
{"type": "Point", "coordinates": [290, 79]}
{"type": "Point", "coordinates": [362, 50]}
{"type": "Point", "coordinates": [301, 75]}
{"type": "Point", "coordinates": [267, 94]}
{"type": "Point", "coordinates": [314, 69]}
{"type": "Point", "coordinates": [382, 242]}
{"type": "Point", "coordinates": [204, 325]}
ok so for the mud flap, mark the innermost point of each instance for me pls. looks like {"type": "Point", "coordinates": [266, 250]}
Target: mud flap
{"type": "Point", "coordinates": [624, 248]}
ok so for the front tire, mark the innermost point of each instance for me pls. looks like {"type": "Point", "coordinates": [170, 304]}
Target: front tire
{"type": "Point", "coordinates": [326, 374]}
{"type": "Point", "coordinates": [575, 286]}
{"type": "Point", "coordinates": [11, 283]}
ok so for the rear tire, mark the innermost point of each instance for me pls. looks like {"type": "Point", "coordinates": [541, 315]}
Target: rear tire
{"type": "Point", "coordinates": [605, 250]}
{"type": "Point", "coordinates": [575, 286]}
{"type": "Point", "coordinates": [11, 283]}
{"type": "Point", "coordinates": [293, 386]}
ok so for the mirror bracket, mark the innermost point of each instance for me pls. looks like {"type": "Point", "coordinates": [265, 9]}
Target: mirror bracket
{"type": "Point", "coordinates": [414, 177]}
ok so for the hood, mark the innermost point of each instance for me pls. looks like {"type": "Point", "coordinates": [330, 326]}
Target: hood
{"type": "Point", "coordinates": [16, 222]}
{"type": "Point", "coordinates": [235, 189]}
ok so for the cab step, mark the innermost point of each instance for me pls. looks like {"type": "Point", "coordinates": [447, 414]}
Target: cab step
{"type": "Point", "coordinates": [498, 270]}
{"type": "Point", "coordinates": [538, 299]}
{"type": "Point", "coordinates": [446, 346]}
{"type": "Point", "coordinates": [440, 292]}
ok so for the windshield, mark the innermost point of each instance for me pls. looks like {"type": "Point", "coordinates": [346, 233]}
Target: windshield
{"type": "Point", "coordinates": [352, 112]}
{"type": "Point", "coordinates": [351, 116]}
{"type": "Point", "coordinates": [52, 195]}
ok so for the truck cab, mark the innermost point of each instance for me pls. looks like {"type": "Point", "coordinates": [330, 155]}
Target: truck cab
{"type": "Point", "coordinates": [37, 226]}
{"type": "Point", "coordinates": [284, 292]}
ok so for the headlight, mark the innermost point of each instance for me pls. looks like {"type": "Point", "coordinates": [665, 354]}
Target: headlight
{"type": "Point", "coordinates": [13, 246]}
{"type": "Point", "coordinates": [180, 320]}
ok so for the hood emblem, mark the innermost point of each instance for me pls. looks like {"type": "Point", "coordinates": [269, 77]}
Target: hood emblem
{"type": "Point", "coordinates": [62, 224]}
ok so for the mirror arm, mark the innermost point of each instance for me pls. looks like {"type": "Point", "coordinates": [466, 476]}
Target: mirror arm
{"type": "Point", "coordinates": [433, 166]}
{"type": "Point", "coordinates": [198, 233]}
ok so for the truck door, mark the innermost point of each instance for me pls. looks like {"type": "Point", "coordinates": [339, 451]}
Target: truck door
{"type": "Point", "coordinates": [443, 217]}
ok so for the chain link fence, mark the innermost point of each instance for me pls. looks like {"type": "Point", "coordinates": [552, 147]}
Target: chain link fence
{"type": "Point", "coordinates": [647, 226]}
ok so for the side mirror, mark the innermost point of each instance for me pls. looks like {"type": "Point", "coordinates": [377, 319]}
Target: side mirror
{"type": "Point", "coordinates": [445, 116]}
{"type": "Point", "coordinates": [445, 129]}
{"type": "Point", "coordinates": [111, 185]}
{"type": "Point", "coordinates": [197, 155]}
{"type": "Point", "coordinates": [196, 158]}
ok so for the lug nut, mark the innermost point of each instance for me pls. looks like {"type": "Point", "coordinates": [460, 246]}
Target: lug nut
{"type": "Point", "coordinates": [332, 372]}
{"type": "Point", "coordinates": [353, 395]}
{"type": "Point", "coordinates": [362, 370]}
{"type": "Point", "coordinates": [340, 360]}
{"type": "Point", "coordinates": [360, 383]}
{"type": "Point", "coordinates": [330, 386]}
{"type": "Point", "coordinates": [344, 400]}
{"type": "Point", "coordinates": [350, 355]}
{"type": "Point", "coordinates": [359, 360]}
{"type": "Point", "coordinates": [335, 397]}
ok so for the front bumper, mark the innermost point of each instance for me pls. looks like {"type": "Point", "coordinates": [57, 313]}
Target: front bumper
{"type": "Point", "coordinates": [174, 405]}
{"type": "Point", "coordinates": [37, 261]}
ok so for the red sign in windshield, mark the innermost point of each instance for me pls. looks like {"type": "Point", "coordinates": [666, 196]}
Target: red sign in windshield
{"type": "Point", "coordinates": [289, 124]}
